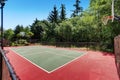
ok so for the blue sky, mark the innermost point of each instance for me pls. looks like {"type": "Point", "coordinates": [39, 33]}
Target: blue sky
{"type": "Point", "coordinates": [24, 12]}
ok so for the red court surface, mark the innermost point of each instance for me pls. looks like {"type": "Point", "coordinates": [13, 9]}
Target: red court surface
{"type": "Point", "coordinates": [91, 66]}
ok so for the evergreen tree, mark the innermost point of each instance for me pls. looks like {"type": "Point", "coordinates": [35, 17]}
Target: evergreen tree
{"type": "Point", "coordinates": [18, 29]}
{"type": "Point", "coordinates": [37, 29]}
{"type": "Point", "coordinates": [53, 16]}
{"type": "Point", "coordinates": [8, 34]}
{"type": "Point", "coordinates": [63, 12]}
{"type": "Point", "coordinates": [77, 10]}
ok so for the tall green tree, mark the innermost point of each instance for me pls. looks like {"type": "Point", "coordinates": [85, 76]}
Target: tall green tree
{"type": "Point", "coordinates": [78, 9]}
{"type": "Point", "coordinates": [8, 34]}
{"type": "Point", "coordinates": [64, 31]}
{"type": "Point", "coordinates": [63, 12]}
{"type": "Point", "coordinates": [18, 29]}
{"type": "Point", "coordinates": [37, 29]}
{"type": "Point", "coordinates": [28, 33]}
{"type": "Point", "coordinates": [99, 9]}
{"type": "Point", "coordinates": [54, 16]}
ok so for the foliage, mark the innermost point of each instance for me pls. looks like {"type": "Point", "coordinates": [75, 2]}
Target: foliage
{"type": "Point", "coordinates": [21, 32]}
{"type": "Point", "coordinates": [17, 30]}
{"type": "Point", "coordinates": [106, 34]}
{"type": "Point", "coordinates": [8, 34]}
{"type": "Point", "coordinates": [85, 28]}
{"type": "Point", "coordinates": [53, 16]}
{"type": "Point", "coordinates": [20, 42]}
{"type": "Point", "coordinates": [49, 32]}
{"type": "Point", "coordinates": [63, 12]}
{"type": "Point", "coordinates": [37, 29]}
{"type": "Point", "coordinates": [64, 30]}
{"type": "Point", "coordinates": [77, 10]}
{"type": "Point", "coordinates": [28, 33]}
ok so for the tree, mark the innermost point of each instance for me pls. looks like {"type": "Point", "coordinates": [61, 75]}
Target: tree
{"type": "Point", "coordinates": [65, 31]}
{"type": "Point", "coordinates": [63, 12]}
{"type": "Point", "coordinates": [8, 34]}
{"type": "Point", "coordinates": [100, 8]}
{"type": "Point", "coordinates": [28, 33]}
{"type": "Point", "coordinates": [18, 29]}
{"type": "Point", "coordinates": [48, 31]}
{"type": "Point", "coordinates": [53, 16]}
{"type": "Point", "coordinates": [37, 29]}
{"type": "Point", "coordinates": [77, 10]}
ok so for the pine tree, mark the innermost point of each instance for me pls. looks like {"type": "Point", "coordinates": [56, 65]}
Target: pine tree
{"type": "Point", "coordinates": [53, 16]}
{"type": "Point", "coordinates": [77, 10]}
{"type": "Point", "coordinates": [63, 12]}
{"type": "Point", "coordinates": [37, 29]}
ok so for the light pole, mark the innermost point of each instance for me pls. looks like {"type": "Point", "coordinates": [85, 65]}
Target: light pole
{"type": "Point", "coordinates": [2, 3]}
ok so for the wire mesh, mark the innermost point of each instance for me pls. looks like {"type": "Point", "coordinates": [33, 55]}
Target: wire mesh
{"type": "Point", "coordinates": [7, 71]}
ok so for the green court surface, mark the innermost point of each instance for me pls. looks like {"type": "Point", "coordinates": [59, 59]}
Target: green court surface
{"type": "Point", "coordinates": [48, 59]}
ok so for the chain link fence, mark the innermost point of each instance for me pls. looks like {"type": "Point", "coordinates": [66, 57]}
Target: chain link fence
{"type": "Point", "coordinates": [6, 70]}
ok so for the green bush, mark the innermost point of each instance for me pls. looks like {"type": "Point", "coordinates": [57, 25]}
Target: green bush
{"type": "Point", "coordinates": [14, 44]}
{"type": "Point", "coordinates": [20, 42]}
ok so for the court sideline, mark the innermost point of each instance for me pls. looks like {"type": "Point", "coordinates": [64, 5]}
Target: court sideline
{"type": "Point", "coordinates": [93, 66]}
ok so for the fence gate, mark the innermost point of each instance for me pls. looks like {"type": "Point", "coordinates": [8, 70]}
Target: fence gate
{"type": "Point", "coordinates": [117, 53]}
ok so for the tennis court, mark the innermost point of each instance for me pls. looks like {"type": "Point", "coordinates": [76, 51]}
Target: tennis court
{"type": "Point", "coordinates": [52, 63]}
{"type": "Point", "coordinates": [46, 58]}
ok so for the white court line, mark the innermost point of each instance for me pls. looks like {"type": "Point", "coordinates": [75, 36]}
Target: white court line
{"type": "Point", "coordinates": [49, 52]}
{"type": "Point", "coordinates": [30, 61]}
{"type": "Point", "coordinates": [53, 69]}
{"type": "Point", "coordinates": [57, 48]}
{"type": "Point", "coordinates": [68, 63]}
